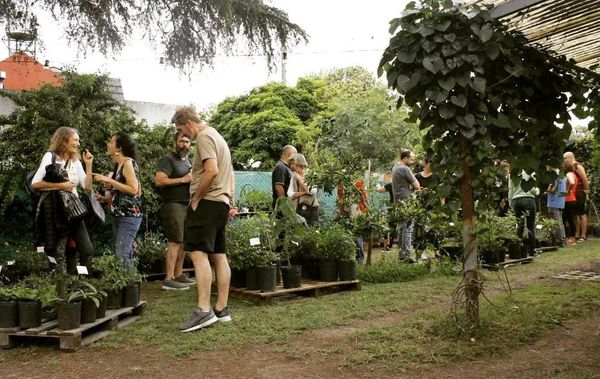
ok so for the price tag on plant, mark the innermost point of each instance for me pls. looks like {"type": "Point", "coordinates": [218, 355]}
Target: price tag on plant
{"type": "Point", "coordinates": [538, 227]}
{"type": "Point", "coordinates": [0, 268]}
{"type": "Point", "coordinates": [82, 270]}
{"type": "Point", "coordinates": [254, 241]}
{"type": "Point", "coordinates": [52, 259]}
{"type": "Point", "coordinates": [10, 263]}
{"type": "Point", "coordinates": [40, 249]}
{"type": "Point", "coordinates": [295, 243]}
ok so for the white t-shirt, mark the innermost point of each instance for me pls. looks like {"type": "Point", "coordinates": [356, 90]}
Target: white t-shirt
{"type": "Point", "coordinates": [75, 170]}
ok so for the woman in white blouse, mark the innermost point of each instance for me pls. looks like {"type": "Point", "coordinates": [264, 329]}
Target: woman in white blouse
{"type": "Point", "coordinates": [52, 229]}
{"type": "Point", "coordinates": [305, 199]}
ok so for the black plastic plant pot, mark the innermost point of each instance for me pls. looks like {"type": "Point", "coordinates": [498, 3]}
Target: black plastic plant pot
{"type": "Point", "coordinates": [9, 314]}
{"type": "Point", "coordinates": [101, 310]}
{"type": "Point", "coordinates": [30, 314]}
{"type": "Point", "coordinates": [131, 295]}
{"type": "Point", "coordinates": [267, 278]}
{"type": "Point", "coordinates": [291, 276]}
{"type": "Point", "coordinates": [328, 271]}
{"type": "Point", "coordinates": [88, 311]}
{"type": "Point", "coordinates": [69, 315]}
{"type": "Point", "coordinates": [347, 270]}
{"type": "Point", "coordinates": [114, 299]}
{"type": "Point", "coordinates": [514, 250]}
{"type": "Point", "coordinates": [238, 278]}
{"type": "Point", "coordinates": [252, 279]}
{"type": "Point", "coordinates": [489, 257]}
{"type": "Point", "coordinates": [310, 269]}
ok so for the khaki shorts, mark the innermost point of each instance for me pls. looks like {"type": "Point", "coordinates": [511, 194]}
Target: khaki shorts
{"type": "Point", "coordinates": [173, 217]}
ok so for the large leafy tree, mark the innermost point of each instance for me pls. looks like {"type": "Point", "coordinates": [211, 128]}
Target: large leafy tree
{"type": "Point", "coordinates": [479, 92]}
{"type": "Point", "coordinates": [84, 102]}
{"type": "Point", "coordinates": [190, 32]}
{"type": "Point", "coordinates": [359, 127]}
{"type": "Point", "coordinates": [258, 125]}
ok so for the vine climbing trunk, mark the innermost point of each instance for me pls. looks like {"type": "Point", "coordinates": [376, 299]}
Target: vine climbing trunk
{"type": "Point", "coordinates": [470, 265]}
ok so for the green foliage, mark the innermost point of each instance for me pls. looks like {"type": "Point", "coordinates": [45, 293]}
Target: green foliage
{"type": "Point", "coordinates": [151, 248]}
{"type": "Point", "coordinates": [112, 272]}
{"type": "Point", "coordinates": [27, 262]}
{"type": "Point", "coordinates": [240, 252]}
{"type": "Point", "coordinates": [494, 232]}
{"type": "Point", "coordinates": [477, 89]}
{"type": "Point", "coordinates": [255, 200]}
{"type": "Point", "coordinates": [408, 209]}
{"type": "Point", "coordinates": [7, 293]}
{"type": "Point", "coordinates": [197, 29]}
{"type": "Point", "coordinates": [86, 103]}
{"type": "Point", "coordinates": [37, 287]}
{"type": "Point", "coordinates": [373, 222]}
{"type": "Point", "coordinates": [336, 244]}
{"type": "Point", "coordinates": [256, 126]}
{"type": "Point", "coordinates": [85, 290]}
{"type": "Point", "coordinates": [545, 229]}
{"type": "Point", "coordinates": [388, 269]}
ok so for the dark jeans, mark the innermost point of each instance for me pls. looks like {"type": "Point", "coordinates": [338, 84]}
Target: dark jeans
{"type": "Point", "coordinates": [524, 208]}
{"type": "Point", "coordinates": [79, 233]}
{"type": "Point", "coordinates": [570, 219]}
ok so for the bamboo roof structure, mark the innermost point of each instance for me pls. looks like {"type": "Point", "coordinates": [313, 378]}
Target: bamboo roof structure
{"type": "Point", "coordinates": [565, 27]}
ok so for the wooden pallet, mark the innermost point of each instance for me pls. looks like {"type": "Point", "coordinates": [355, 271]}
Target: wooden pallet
{"type": "Point", "coordinates": [309, 288]}
{"type": "Point", "coordinates": [507, 263]}
{"type": "Point", "coordinates": [72, 339]}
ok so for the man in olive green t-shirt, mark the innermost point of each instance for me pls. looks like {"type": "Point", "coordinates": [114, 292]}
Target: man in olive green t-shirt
{"type": "Point", "coordinates": [207, 216]}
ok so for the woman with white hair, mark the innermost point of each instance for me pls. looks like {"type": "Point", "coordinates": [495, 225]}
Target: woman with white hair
{"type": "Point", "coordinates": [307, 204]}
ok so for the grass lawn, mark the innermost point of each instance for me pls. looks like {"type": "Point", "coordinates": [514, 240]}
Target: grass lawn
{"type": "Point", "coordinates": [424, 333]}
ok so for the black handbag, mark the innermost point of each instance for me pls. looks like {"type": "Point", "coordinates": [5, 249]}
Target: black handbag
{"type": "Point", "coordinates": [73, 207]}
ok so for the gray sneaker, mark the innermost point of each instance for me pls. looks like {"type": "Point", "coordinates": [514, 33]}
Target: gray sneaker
{"type": "Point", "coordinates": [185, 279]}
{"type": "Point", "coordinates": [173, 285]}
{"type": "Point", "coordinates": [223, 315]}
{"type": "Point", "coordinates": [199, 319]}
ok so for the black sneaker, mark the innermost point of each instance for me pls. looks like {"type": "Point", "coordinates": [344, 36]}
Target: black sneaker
{"type": "Point", "coordinates": [199, 319]}
{"type": "Point", "coordinates": [223, 315]}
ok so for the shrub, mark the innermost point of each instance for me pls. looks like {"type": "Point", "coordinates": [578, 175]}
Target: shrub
{"type": "Point", "coordinates": [388, 269]}
{"type": "Point", "coordinates": [240, 252]}
{"type": "Point", "coordinates": [255, 200]}
{"type": "Point", "coordinates": [151, 248]}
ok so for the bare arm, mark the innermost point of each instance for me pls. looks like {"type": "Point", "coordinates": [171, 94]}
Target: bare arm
{"type": "Point", "coordinates": [415, 186]}
{"type": "Point", "coordinates": [279, 190]}
{"type": "Point", "coordinates": [47, 186]}
{"type": "Point", "coordinates": [584, 179]}
{"type": "Point", "coordinates": [162, 180]}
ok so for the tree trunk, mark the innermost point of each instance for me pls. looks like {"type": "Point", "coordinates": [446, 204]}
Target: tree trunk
{"type": "Point", "coordinates": [470, 265]}
{"type": "Point", "coordinates": [369, 249]}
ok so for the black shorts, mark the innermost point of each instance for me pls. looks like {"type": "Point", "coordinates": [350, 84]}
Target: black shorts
{"type": "Point", "coordinates": [173, 217]}
{"type": "Point", "coordinates": [580, 203]}
{"type": "Point", "coordinates": [205, 227]}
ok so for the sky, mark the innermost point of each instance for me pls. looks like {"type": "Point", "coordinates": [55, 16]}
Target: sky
{"type": "Point", "coordinates": [342, 33]}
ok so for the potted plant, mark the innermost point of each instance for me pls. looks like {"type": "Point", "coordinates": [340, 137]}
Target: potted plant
{"type": "Point", "coordinates": [285, 219]}
{"type": "Point", "coordinates": [114, 277]}
{"type": "Point", "coordinates": [131, 290]}
{"type": "Point", "coordinates": [494, 236]}
{"type": "Point", "coordinates": [255, 200]}
{"type": "Point", "coordinates": [371, 223]}
{"type": "Point", "coordinates": [332, 240]}
{"type": "Point", "coordinates": [151, 254]}
{"type": "Point", "coordinates": [545, 233]}
{"type": "Point", "coordinates": [27, 262]}
{"type": "Point", "coordinates": [9, 311]}
{"type": "Point", "coordinates": [345, 255]}
{"type": "Point", "coordinates": [304, 249]}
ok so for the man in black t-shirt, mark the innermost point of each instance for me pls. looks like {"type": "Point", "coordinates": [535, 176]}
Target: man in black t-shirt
{"type": "Point", "coordinates": [282, 174]}
{"type": "Point", "coordinates": [173, 177]}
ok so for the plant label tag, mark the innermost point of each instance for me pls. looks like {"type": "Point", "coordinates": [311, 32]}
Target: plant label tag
{"type": "Point", "coordinates": [254, 241]}
{"type": "Point", "coordinates": [10, 263]}
{"type": "Point", "coordinates": [295, 243]}
{"type": "Point", "coordinates": [40, 249]}
{"type": "Point", "coordinates": [0, 268]}
{"type": "Point", "coordinates": [538, 227]}
{"type": "Point", "coordinates": [52, 259]}
{"type": "Point", "coordinates": [82, 270]}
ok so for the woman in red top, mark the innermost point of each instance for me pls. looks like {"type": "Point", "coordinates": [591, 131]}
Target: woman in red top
{"type": "Point", "coordinates": [569, 217]}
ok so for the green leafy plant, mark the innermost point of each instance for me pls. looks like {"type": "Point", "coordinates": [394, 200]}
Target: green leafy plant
{"type": "Point", "coordinates": [336, 244]}
{"type": "Point", "coordinates": [545, 229]}
{"type": "Point", "coordinates": [255, 200]}
{"type": "Point", "coordinates": [495, 232]}
{"type": "Point", "coordinates": [29, 262]}
{"type": "Point", "coordinates": [85, 290]}
{"type": "Point", "coordinates": [112, 272]}
{"type": "Point", "coordinates": [7, 293]}
{"type": "Point", "coordinates": [151, 249]}
{"type": "Point", "coordinates": [34, 287]}
{"type": "Point", "coordinates": [244, 253]}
